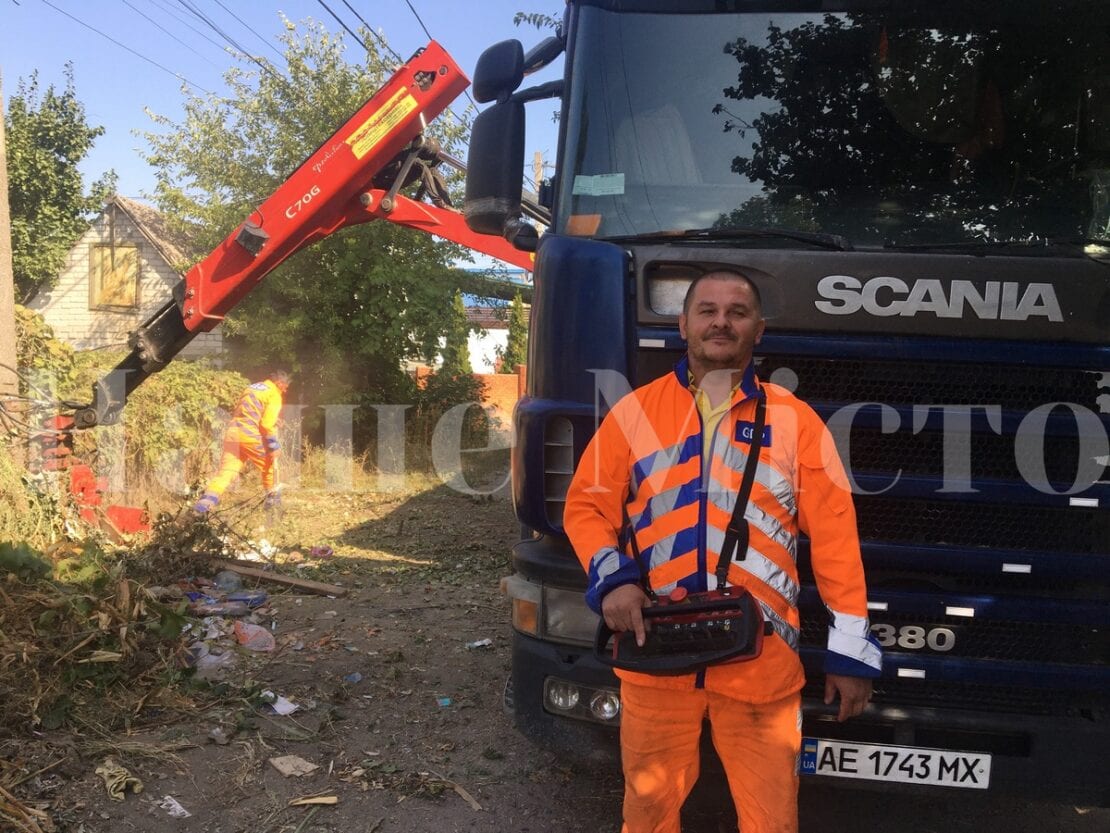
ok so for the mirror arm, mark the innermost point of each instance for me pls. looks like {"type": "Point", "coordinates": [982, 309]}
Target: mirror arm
{"type": "Point", "coordinates": [552, 89]}
{"type": "Point", "coordinates": [543, 54]}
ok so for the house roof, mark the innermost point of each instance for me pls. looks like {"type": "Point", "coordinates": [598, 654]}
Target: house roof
{"type": "Point", "coordinates": [492, 318]}
{"type": "Point", "coordinates": [174, 247]}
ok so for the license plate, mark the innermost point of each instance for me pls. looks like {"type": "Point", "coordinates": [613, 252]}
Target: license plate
{"type": "Point", "coordinates": [904, 764]}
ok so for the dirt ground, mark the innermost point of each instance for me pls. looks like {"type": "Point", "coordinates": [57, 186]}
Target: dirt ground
{"type": "Point", "coordinates": [399, 710]}
{"type": "Point", "coordinates": [402, 719]}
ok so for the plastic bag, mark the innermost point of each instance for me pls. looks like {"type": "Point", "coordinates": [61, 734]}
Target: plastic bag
{"type": "Point", "coordinates": [254, 637]}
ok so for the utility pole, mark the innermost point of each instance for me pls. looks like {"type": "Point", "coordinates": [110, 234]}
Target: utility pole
{"type": "Point", "coordinates": [9, 382]}
{"type": "Point", "coordinates": [537, 169]}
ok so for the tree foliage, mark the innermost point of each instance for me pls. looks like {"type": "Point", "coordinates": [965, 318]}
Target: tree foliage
{"type": "Point", "coordinates": [516, 349]}
{"type": "Point", "coordinates": [48, 136]}
{"type": "Point", "coordinates": [955, 131]}
{"type": "Point", "coordinates": [345, 313]}
{"type": "Point", "coordinates": [456, 350]}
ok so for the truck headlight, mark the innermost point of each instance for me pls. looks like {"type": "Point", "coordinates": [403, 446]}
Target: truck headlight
{"type": "Point", "coordinates": [582, 702]}
{"type": "Point", "coordinates": [550, 612]}
{"type": "Point", "coordinates": [566, 616]}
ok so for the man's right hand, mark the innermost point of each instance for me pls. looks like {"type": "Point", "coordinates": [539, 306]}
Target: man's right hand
{"type": "Point", "coordinates": [622, 609]}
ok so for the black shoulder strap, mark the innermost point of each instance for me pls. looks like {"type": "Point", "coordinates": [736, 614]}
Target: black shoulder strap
{"type": "Point", "coordinates": [735, 546]}
{"type": "Point", "coordinates": [645, 582]}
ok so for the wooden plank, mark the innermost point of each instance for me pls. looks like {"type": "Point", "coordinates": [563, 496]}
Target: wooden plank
{"type": "Point", "coordinates": [317, 587]}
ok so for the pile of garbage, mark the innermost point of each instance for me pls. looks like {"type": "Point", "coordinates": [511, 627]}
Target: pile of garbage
{"type": "Point", "coordinates": [229, 616]}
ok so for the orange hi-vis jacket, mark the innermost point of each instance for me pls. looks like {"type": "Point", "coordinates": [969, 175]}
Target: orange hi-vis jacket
{"type": "Point", "coordinates": [646, 459]}
{"type": "Point", "coordinates": [254, 420]}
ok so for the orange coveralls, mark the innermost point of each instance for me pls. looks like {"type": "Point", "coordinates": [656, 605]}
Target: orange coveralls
{"type": "Point", "coordinates": [678, 484]}
{"type": "Point", "coordinates": [250, 438]}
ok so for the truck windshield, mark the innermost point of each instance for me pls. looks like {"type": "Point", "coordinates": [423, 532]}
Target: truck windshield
{"type": "Point", "coordinates": [887, 129]}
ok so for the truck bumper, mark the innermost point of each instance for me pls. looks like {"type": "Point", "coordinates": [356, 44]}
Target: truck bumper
{"type": "Point", "coordinates": [1050, 759]}
{"type": "Point", "coordinates": [1054, 759]}
{"type": "Point", "coordinates": [579, 741]}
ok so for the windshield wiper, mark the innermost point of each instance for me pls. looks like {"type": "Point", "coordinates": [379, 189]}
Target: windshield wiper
{"type": "Point", "coordinates": [1034, 245]}
{"type": "Point", "coordinates": [693, 235]}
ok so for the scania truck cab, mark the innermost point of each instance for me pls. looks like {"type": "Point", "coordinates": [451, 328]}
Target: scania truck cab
{"type": "Point", "coordinates": [921, 190]}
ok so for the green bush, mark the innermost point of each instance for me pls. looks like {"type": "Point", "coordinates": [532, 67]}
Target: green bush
{"type": "Point", "coordinates": [41, 356]}
{"type": "Point", "coordinates": [171, 426]}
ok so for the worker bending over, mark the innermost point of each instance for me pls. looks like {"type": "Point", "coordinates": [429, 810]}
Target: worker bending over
{"type": "Point", "coordinates": [251, 438]}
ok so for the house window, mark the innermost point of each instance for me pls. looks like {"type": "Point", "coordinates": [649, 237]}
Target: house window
{"type": "Point", "coordinates": [114, 276]}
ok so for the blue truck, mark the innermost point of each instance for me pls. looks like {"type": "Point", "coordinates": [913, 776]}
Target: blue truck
{"type": "Point", "coordinates": [922, 192]}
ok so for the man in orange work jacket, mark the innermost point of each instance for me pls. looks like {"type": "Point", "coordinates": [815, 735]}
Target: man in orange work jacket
{"type": "Point", "coordinates": [251, 437]}
{"type": "Point", "coordinates": [669, 457]}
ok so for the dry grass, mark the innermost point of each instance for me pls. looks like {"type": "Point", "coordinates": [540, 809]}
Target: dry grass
{"type": "Point", "coordinates": [26, 514]}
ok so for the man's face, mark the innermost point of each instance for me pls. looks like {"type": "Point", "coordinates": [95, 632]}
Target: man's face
{"type": "Point", "coordinates": [282, 385]}
{"type": "Point", "coordinates": [722, 326]}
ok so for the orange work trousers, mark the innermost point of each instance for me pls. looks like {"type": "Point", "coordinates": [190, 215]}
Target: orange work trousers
{"type": "Point", "coordinates": [758, 744]}
{"type": "Point", "coordinates": [238, 452]}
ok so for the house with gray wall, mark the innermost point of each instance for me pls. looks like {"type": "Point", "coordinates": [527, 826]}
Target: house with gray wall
{"type": "Point", "coordinates": [121, 271]}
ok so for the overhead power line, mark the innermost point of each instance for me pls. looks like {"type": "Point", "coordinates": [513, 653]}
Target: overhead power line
{"type": "Point", "coordinates": [123, 46]}
{"type": "Point", "coordinates": [248, 27]}
{"type": "Point", "coordinates": [429, 35]}
{"type": "Point", "coordinates": [373, 32]}
{"type": "Point", "coordinates": [167, 31]}
{"type": "Point", "coordinates": [341, 22]}
{"type": "Point", "coordinates": [235, 45]}
{"type": "Point", "coordinates": [163, 5]}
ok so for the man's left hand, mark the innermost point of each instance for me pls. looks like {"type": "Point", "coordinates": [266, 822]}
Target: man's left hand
{"type": "Point", "coordinates": [855, 694]}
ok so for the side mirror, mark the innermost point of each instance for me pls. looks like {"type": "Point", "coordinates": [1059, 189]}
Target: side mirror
{"type": "Point", "coordinates": [499, 71]}
{"type": "Point", "coordinates": [493, 182]}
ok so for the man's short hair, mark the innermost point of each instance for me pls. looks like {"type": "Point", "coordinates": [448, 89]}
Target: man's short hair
{"type": "Point", "coordinates": [281, 377]}
{"type": "Point", "coordinates": [722, 275]}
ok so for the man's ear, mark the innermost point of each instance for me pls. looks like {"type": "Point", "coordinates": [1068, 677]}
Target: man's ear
{"type": "Point", "coordinates": [682, 325]}
{"type": "Point", "coordinates": [759, 331]}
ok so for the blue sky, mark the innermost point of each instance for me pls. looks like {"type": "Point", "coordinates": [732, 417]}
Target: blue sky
{"type": "Point", "coordinates": [116, 85]}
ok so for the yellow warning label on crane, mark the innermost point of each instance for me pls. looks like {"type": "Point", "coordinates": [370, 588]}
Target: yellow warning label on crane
{"type": "Point", "coordinates": [368, 134]}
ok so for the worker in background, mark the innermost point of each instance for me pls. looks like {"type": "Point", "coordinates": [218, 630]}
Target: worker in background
{"type": "Point", "coordinates": [665, 465]}
{"type": "Point", "coordinates": [251, 437]}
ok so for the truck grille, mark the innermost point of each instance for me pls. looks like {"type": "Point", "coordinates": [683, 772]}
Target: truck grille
{"type": "Point", "coordinates": [944, 695]}
{"type": "Point", "coordinates": [1004, 526]}
{"type": "Point", "coordinates": [991, 455]}
{"type": "Point", "coordinates": [992, 639]}
{"type": "Point", "coordinates": [1018, 388]}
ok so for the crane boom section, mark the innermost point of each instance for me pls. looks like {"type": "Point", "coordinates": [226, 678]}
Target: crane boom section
{"type": "Point", "coordinates": [320, 197]}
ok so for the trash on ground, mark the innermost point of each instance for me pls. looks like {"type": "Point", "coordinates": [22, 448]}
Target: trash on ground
{"type": "Point", "coordinates": [209, 664]}
{"type": "Point", "coordinates": [173, 807]}
{"type": "Point", "coordinates": [201, 608]}
{"type": "Point", "coordinates": [118, 780]}
{"type": "Point", "coordinates": [278, 703]}
{"type": "Point", "coordinates": [322, 551]}
{"type": "Point", "coordinates": [353, 677]}
{"type": "Point", "coordinates": [254, 637]}
{"type": "Point", "coordinates": [481, 643]}
{"type": "Point", "coordinates": [318, 587]}
{"type": "Point", "coordinates": [444, 702]}
{"type": "Point", "coordinates": [291, 765]}
{"type": "Point", "coordinates": [219, 736]}
{"type": "Point", "coordinates": [314, 799]}
{"type": "Point", "coordinates": [251, 598]}
{"type": "Point", "coordinates": [228, 581]}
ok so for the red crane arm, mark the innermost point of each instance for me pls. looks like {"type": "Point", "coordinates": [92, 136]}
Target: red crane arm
{"type": "Point", "coordinates": [321, 196]}
{"type": "Point", "coordinates": [334, 188]}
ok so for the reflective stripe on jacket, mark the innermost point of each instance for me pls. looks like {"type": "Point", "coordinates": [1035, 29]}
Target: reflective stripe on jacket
{"type": "Point", "coordinates": [255, 416]}
{"type": "Point", "coordinates": [646, 458]}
